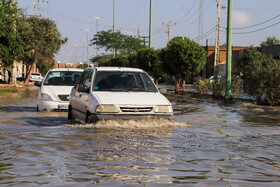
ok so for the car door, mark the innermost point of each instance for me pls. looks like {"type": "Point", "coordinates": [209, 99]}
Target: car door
{"type": "Point", "coordinates": [76, 96]}
{"type": "Point", "coordinates": [84, 90]}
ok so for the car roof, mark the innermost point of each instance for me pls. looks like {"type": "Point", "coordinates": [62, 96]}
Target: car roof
{"type": "Point", "coordinates": [116, 69]}
{"type": "Point", "coordinates": [67, 69]}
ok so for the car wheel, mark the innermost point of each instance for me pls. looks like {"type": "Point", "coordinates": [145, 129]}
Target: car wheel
{"type": "Point", "coordinates": [70, 114]}
{"type": "Point", "coordinates": [88, 118]}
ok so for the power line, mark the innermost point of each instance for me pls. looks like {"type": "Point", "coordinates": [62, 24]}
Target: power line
{"type": "Point", "coordinates": [210, 31]}
{"type": "Point", "coordinates": [257, 24]}
{"type": "Point", "coordinates": [187, 13]}
{"type": "Point", "coordinates": [135, 13]}
{"type": "Point", "coordinates": [257, 29]}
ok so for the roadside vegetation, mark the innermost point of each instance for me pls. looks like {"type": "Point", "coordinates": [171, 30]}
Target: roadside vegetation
{"type": "Point", "coordinates": [29, 39]}
{"type": "Point", "coordinates": [216, 88]}
{"type": "Point", "coordinates": [7, 91]}
{"type": "Point", "coordinates": [261, 77]}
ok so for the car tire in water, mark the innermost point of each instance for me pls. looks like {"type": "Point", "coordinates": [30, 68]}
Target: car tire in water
{"type": "Point", "coordinates": [70, 115]}
{"type": "Point", "coordinates": [90, 118]}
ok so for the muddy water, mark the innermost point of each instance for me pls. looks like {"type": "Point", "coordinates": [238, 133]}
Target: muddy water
{"type": "Point", "coordinates": [209, 144]}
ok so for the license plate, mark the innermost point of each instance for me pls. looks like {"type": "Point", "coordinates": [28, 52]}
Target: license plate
{"type": "Point", "coordinates": [61, 107]}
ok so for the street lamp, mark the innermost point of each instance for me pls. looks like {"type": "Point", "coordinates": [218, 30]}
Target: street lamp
{"type": "Point", "coordinates": [83, 52]}
{"type": "Point", "coordinates": [87, 30]}
{"type": "Point", "coordinates": [96, 18]}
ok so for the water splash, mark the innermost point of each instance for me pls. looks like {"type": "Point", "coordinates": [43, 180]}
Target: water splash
{"type": "Point", "coordinates": [135, 124]}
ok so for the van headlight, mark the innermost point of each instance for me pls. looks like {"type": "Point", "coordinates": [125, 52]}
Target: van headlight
{"type": "Point", "coordinates": [106, 109]}
{"type": "Point", "coordinates": [46, 97]}
{"type": "Point", "coordinates": [163, 109]}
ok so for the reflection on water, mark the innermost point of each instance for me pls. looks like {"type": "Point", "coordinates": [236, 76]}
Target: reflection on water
{"type": "Point", "coordinates": [208, 144]}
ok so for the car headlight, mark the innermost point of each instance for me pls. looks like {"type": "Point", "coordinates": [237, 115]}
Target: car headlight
{"type": "Point", "coordinates": [46, 97]}
{"type": "Point", "coordinates": [164, 109]}
{"type": "Point", "coordinates": [107, 109]}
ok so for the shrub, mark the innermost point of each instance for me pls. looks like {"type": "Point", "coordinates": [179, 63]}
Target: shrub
{"type": "Point", "coordinates": [261, 77]}
{"type": "Point", "coordinates": [203, 86]}
{"type": "Point", "coordinates": [217, 88]}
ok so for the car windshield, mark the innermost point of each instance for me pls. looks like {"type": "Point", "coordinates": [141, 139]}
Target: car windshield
{"type": "Point", "coordinates": [123, 81]}
{"type": "Point", "coordinates": [62, 78]}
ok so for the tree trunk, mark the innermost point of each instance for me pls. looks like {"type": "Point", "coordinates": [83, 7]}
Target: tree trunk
{"type": "Point", "coordinates": [178, 81]}
{"type": "Point", "coordinates": [156, 82]}
{"type": "Point", "coordinates": [183, 87]}
{"type": "Point", "coordinates": [28, 72]}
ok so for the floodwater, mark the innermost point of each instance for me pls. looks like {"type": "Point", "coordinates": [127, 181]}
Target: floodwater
{"type": "Point", "coordinates": [209, 144]}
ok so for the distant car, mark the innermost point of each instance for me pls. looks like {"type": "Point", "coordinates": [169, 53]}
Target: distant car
{"type": "Point", "coordinates": [116, 93]}
{"type": "Point", "coordinates": [20, 77]}
{"type": "Point", "coordinates": [35, 77]}
{"type": "Point", "coordinates": [55, 89]}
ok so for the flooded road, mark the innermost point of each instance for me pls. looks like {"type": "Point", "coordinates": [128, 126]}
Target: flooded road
{"type": "Point", "coordinates": [209, 144]}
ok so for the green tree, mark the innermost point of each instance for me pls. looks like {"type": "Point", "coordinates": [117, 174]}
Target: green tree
{"type": "Point", "coordinates": [122, 43]}
{"type": "Point", "coordinates": [102, 60]}
{"type": "Point", "coordinates": [261, 76]}
{"type": "Point", "coordinates": [183, 57]}
{"type": "Point", "coordinates": [45, 66]}
{"type": "Point", "coordinates": [42, 41]}
{"type": "Point", "coordinates": [148, 59]}
{"type": "Point", "coordinates": [270, 41]}
{"type": "Point", "coordinates": [11, 46]}
{"type": "Point", "coordinates": [120, 61]}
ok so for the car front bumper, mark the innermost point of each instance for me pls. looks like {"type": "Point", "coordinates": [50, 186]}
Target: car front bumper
{"type": "Point", "coordinates": [97, 117]}
{"type": "Point", "coordinates": [53, 106]}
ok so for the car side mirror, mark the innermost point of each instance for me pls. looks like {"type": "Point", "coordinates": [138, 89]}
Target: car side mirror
{"type": "Point", "coordinates": [83, 89]}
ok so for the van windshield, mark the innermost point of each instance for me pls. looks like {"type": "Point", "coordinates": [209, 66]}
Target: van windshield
{"type": "Point", "coordinates": [62, 78]}
{"type": "Point", "coordinates": [123, 81]}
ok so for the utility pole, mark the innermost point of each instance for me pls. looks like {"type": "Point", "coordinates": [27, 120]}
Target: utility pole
{"type": "Point", "coordinates": [217, 44]}
{"type": "Point", "coordinates": [139, 32]}
{"type": "Point", "coordinates": [150, 25]}
{"type": "Point", "coordinates": [96, 18]}
{"type": "Point", "coordinates": [114, 50]}
{"type": "Point", "coordinates": [200, 23]}
{"type": "Point", "coordinates": [34, 5]}
{"type": "Point", "coordinates": [83, 51]}
{"type": "Point", "coordinates": [217, 47]}
{"type": "Point", "coordinates": [169, 29]}
{"type": "Point", "coordinates": [87, 30]}
{"type": "Point", "coordinates": [229, 52]}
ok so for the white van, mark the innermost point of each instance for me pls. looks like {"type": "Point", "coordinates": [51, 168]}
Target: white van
{"type": "Point", "coordinates": [55, 89]}
{"type": "Point", "coordinates": [116, 93]}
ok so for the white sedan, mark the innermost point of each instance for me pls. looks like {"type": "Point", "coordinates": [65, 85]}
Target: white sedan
{"type": "Point", "coordinates": [55, 89]}
{"type": "Point", "coordinates": [35, 77]}
{"type": "Point", "coordinates": [116, 93]}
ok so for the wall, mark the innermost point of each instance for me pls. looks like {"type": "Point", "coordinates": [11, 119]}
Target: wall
{"type": "Point", "coordinates": [210, 50]}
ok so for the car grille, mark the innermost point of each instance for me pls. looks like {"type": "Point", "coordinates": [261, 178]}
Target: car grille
{"type": "Point", "coordinates": [63, 97]}
{"type": "Point", "coordinates": [136, 109]}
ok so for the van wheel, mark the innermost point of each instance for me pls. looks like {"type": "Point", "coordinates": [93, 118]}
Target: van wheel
{"type": "Point", "coordinates": [70, 114]}
{"type": "Point", "coordinates": [89, 118]}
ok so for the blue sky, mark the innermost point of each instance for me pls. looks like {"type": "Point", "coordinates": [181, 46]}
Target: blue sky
{"type": "Point", "coordinates": [252, 21]}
